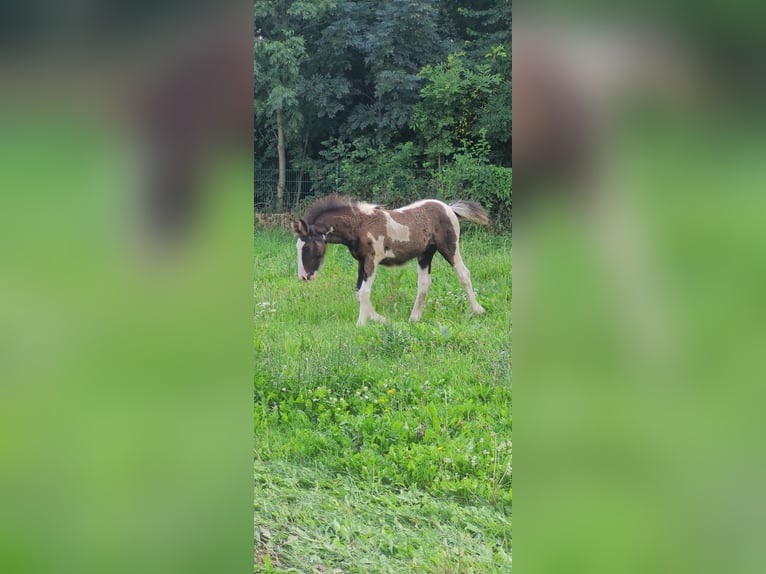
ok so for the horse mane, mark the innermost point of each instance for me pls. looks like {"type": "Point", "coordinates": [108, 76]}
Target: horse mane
{"type": "Point", "coordinates": [328, 204]}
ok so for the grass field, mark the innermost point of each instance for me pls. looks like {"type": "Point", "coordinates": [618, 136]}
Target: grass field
{"type": "Point", "coordinates": [385, 448]}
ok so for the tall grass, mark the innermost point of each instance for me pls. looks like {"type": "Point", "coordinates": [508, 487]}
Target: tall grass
{"type": "Point", "coordinates": [394, 412]}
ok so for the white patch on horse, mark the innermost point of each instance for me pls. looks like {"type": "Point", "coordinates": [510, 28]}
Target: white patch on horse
{"type": "Point", "coordinates": [455, 222]}
{"type": "Point", "coordinates": [366, 208]}
{"type": "Point", "coordinates": [396, 231]}
{"type": "Point", "coordinates": [301, 271]}
{"type": "Point", "coordinates": [419, 203]}
{"type": "Point", "coordinates": [379, 248]}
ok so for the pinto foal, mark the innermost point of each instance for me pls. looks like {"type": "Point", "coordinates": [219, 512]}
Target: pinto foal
{"type": "Point", "coordinates": [376, 236]}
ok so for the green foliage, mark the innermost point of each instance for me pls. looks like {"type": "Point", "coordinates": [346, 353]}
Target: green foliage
{"type": "Point", "coordinates": [378, 103]}
{"type": "Point", "coordinates": [282, 47]}
{"type": "Point", "coordinates": [323, 93]}
{"type": "Point", "coordinates": [391, 178]}
{"type": "Point", "coordinates": [395, 39]}
{"type": "Point", "coordinates": [385, 176]}
{"type": "Point", "coordinates": [276, 72]}
{"type": "Point", "coordinates": [496, 118]}
{"type": "Point", "coordinates": [361, 66]}
{"type": "Point", "coordinates": [453, 97]}
{"type": "Point", "coordinates": [471, 176]}
{"type": "Point", "coordinates": [486, 24]}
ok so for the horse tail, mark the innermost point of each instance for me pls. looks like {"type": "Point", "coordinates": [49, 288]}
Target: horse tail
{"type": "Point", "coordinates": [470, 210]}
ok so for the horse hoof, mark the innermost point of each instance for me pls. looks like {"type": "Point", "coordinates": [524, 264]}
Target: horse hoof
{"type": "Point", "coordinates": [479, 311]}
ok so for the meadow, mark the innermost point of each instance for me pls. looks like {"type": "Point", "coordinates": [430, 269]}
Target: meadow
{"type": "Point", "coordinates": [388, 447]}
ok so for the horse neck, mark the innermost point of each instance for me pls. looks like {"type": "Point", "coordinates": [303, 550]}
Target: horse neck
{"type": "Point", "coordinates": [343, 226]}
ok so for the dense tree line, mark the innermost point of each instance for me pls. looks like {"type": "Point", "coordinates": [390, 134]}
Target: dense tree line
{"type": "Point", "coordinates": [382, 84]}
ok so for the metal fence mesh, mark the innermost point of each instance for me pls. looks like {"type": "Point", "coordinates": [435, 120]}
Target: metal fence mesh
{"type": "Point", "coordinates": [303, 186]}
{"type": "Point", "coordinates": [300, 186]}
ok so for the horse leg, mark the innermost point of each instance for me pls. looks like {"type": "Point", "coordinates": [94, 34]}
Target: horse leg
{"type": "Point", "coordinates": [359, 278]}
{"type": "Point", "coordinates": [464, 276]}
{"type": "Point", "coordinates": [424, 282]}
{"type": "Point", "coordinates": [365, 306]}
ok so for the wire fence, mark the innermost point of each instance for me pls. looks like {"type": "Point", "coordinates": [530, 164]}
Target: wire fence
{"type": "Point", "coordinates": [303, 186]}
{"type": "Point", "coordinates": [300, 185]}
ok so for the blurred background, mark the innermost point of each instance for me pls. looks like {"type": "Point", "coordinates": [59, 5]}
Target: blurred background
{"type": "Point", "coordinates": [125, 286]}
{"type": "Point", "coordinates": [125, 296]}
{"type": "Point", "coordinates": [640, 227]}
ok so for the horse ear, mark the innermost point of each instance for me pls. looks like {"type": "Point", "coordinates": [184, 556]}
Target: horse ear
{"type": "Point", "coordinates": [300, 228]}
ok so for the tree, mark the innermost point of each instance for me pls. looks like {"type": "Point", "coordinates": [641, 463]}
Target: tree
{"type": "Point", "coordinates": [487, 27]}
{"type": "Point", "coordinates": [451, 102]}
{"type": "Point", "coordinates": [279, 51]}
{"type": "Point", "coordinates": [496, 117]}
{"type": "Point", "coordinates": [391, 41]}
{"type": "Point", "coordinates": [359, 79]}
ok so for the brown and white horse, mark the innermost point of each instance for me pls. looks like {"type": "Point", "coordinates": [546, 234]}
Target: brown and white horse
{"type": "Point", "coordinates": [377, 236]}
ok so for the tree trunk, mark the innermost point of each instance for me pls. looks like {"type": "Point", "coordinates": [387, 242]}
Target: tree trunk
{"type": "Point", "coordinates": [300, 173]}
{"type": "Point", "coordinates": [282, 161]}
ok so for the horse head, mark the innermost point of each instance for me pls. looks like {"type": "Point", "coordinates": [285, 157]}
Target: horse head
{"type": "Point", "coordinates": [311, 246]}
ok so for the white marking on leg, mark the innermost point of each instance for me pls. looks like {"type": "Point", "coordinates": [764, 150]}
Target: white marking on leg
{"type": "Point", "coordinates": [424, 282]}
{"type": "Point", "coordinates": [366, 310]}
{"type": "Point", "coordinates": [301, 271]}
{"type": "Point", "coordinates": [464, 276]}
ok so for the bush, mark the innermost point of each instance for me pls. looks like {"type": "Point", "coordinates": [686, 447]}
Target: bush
{"type": "Point", "coordinates": [388, 177]}
{"type": "Point", "coordinates": [392, 178]}
{"type": "Point", "coordinates": [468, 177]}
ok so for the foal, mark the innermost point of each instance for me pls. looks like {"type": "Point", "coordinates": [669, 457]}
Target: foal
{"type": "Point", "coordinates": [376, 236]}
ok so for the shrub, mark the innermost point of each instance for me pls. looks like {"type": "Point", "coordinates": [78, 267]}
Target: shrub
{"type": "Point", "coordinates": [392, 178]}
{"type": "Point", "coordinates": [388, 177]}
{"type": "Point", "coordinates": [468, 177]}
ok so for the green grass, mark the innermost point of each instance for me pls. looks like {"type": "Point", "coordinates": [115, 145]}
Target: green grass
{"type": "Point", "coordinates": [383, 448]}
